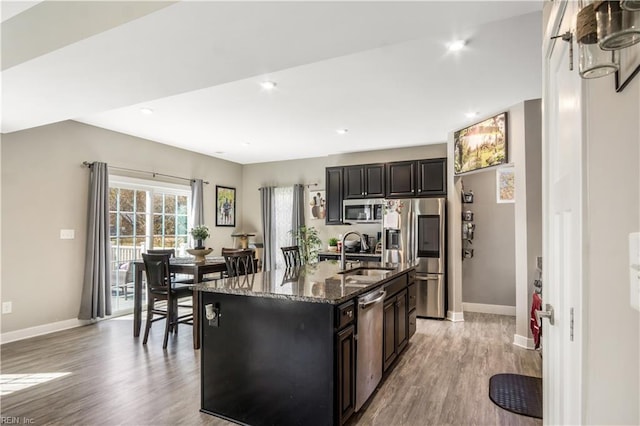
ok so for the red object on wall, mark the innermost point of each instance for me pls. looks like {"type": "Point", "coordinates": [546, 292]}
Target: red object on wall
{"type": "Point", "coordinates": [536, 329]}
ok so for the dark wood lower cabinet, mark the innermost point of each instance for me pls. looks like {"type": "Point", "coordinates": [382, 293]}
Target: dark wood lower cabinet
{"type": "Point", "coordinates": [346, 373]}
{"type": "Point", "coordinates": [402, 330]}
{"type": "Point", "coordinates": [412, 323]}
{"type": "Point", "coordinates": [389, 351]}
{"type": "Point", "coordinates": [395, 332]}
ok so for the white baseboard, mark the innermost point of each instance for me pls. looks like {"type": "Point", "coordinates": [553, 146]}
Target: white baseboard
{"type": "Point", "coordinates": [523, 342]}
{"type": "Point", "coordinates": [455, 316]}
{"type": "Point", "coordinates": [489, 309]}
{"type": "Point", "coordinates": [39, 330]}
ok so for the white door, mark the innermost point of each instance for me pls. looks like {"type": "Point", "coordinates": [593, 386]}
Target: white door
{"type": "Point", "coordinates": [563, 188]}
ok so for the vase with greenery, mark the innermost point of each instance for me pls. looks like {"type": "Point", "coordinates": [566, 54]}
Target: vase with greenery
{"type": "Point", "coordinates": [199, 234]}
{"type": "Point", "coordinates": [309, 242]}
{"type": "Point", "coordinates": [333, 244]}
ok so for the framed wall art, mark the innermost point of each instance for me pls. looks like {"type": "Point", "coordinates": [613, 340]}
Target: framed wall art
{"type": "Point", "coordinates": [317, 203]}
{"type": "Point", "coordinates": [505, 185]}
{"type": "Point", "coordinates": [482, 145]}
{"type": "Point", "coordinates": [225, 206]}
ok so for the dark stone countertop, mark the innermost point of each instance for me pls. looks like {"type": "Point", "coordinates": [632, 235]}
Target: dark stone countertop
{"type": "Point", "coordinates": [321, 282]}
{"type": "Point", "coordinates": [348, 254]}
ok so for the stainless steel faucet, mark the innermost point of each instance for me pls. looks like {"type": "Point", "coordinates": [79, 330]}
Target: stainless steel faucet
{"type": "Point", "coordinates": [343, 258]}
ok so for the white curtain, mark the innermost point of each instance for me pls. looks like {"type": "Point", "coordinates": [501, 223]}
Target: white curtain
{"type": "Point", "coordinates": [197, 205]}
{"type": "Point", "coordinates": [96, 289]}
{"type": "Point", "coordinates": [283, 201]}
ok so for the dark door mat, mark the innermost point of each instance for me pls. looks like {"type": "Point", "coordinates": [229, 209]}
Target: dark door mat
{"type": "Point", "coordinates": [517, 393]}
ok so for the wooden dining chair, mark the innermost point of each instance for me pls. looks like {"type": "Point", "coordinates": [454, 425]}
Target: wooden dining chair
{"type": "Point", "coordinates": [172, 254]}
{"type": "Point", "coordinates": [161, 288]}
{"type": "Point", "coordinates": [292, 258]}
{"type": "Point", "coordinates": [240, 262]}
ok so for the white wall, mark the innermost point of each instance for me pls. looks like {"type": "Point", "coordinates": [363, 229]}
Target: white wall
{"type": "Point", "coordinates": [44, 189]}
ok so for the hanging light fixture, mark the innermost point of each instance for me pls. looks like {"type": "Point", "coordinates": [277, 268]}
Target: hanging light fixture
{"type": "Point", "coordinates": [594, 62]}
{"type": "Point", "coordinates": [617, 27]}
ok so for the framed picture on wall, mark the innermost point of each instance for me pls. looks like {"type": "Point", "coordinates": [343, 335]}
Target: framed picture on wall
{"type": "Point", "coordinates": [505, 185]}
{"type": "Point", "coordinates": [317, 204]}
{"type": "Point", "coordinates": [225, 206]}
{"type": "Point", "coordinates": [482, 145]}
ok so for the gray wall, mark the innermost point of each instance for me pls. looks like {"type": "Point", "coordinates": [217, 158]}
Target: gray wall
{"type": "Point", "coordinates": [44, 189]}
{"type": "Point", "coordinates": [489, 277]}
{"type": "Point", "coordinates": [284, 173]}
{"type": "Point", "coordinates": [611, 326]}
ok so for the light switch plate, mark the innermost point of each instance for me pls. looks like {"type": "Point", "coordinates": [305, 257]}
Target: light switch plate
{"type": "Point", "coordinates": [634, 269]}
{"type": "Point", "coordinates": [67, 234]}
{"type": "Point", "coordinates": [7, 307]}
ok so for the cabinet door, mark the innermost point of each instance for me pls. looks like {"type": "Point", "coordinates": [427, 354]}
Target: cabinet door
{"type": "Point", "coordinates": [389, 333]}
{"type": "Point", "coordinates": [402, 329]}
{"type": "Point", "coordinates": [401, 179]}
{"type": "Point", "coordinates": [333, 183]}
{"type": "Point", "coordinates": [353, 182]}
{"type": "Point", "coordinates": [413, 323]}
{"type": "Point", "coordinates": [374, 181]}
{"type": "Point", "coordinates": [432, 177]}
{"type": "Point", "coordinates": [346, 373]}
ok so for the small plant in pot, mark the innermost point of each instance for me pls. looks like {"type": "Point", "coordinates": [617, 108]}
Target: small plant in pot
{"type": "Point", "coordinates": [333, 244]}
{"type": "Point", "coordinates": [199, 234]}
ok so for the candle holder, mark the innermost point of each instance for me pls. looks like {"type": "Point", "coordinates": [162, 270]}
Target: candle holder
{"type": "Point", "coordinates": [617, 27]}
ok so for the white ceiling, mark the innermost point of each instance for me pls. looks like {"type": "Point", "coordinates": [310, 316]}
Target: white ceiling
{"type": "Point", "coordinates": [380, 69]}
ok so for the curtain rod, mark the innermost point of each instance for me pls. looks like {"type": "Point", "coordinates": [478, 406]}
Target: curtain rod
{"type": "Point", "coordinates": [154, 174]}
{"type": "Point", "coordinates": [308, 185]}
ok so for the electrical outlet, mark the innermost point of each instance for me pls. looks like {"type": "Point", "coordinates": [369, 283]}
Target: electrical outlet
{"type": "Point", "coordinates": [67, 234]}
{"type": "Point", "coordinates": [7, 307]}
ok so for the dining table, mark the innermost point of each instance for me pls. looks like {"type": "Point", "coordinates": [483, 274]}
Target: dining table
{"type": "Point", "coordinates": [178, 265]}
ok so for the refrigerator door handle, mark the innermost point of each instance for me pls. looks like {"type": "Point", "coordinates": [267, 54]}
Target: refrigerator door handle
{"type": "Point", "coordinates": [428, 278]}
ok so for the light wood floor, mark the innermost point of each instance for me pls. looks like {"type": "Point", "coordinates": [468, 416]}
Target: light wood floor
{"type": "Point", "coordinates": [442, 377]}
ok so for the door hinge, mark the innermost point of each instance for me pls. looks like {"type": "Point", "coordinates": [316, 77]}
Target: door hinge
{"type": "Point", "coordinates": [571, 324]}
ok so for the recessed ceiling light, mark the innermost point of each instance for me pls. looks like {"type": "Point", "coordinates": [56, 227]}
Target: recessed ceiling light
{"type": "Point", "coordinates": [219, 152]}
{"type": "Point", "coordinates": [454, 46]}
{"type": "Point", "coordinates": [342, 131]}
{"type": "Point", "coordinates": [471, 114]}
{"type": "Point", "coordinates": [245, 144]}
{"type": "Point", "coordinates": [268, 85]}
{"type": "Point", "coordinates": [146, 111]}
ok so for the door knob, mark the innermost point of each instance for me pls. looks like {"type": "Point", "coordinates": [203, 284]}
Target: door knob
{"type": "Point", "coordinates": [547, 313]}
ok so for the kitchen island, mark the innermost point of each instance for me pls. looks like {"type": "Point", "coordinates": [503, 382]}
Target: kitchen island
{"type": "Point", "coordinates": [279, 347]}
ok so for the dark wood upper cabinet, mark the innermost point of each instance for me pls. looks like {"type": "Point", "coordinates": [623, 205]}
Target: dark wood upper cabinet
{"type": "Point", "coordinates": [401, 179]}
{"type": "Point", "coordinates": [420, 178]}
{"type": "Point", "coordinates": [333, 180]}
{"type": "Point", "coordinates": [364, 181]}
{"type": "Point", "coordinates": [432, 177]}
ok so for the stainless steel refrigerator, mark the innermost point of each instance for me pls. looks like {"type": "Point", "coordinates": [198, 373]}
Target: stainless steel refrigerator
{"type": "Point", "coordinates": [415, 230]}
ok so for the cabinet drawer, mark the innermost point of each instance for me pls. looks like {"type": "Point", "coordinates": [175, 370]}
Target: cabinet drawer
{"type": "Point", "coordinates": [412, 276]}
{"type": "Point", "coordinates": [396, 285]}
{"type": "Point", "coordinates": [413, 321]}
{"type": "Point", "coordinates": [346, 314]}
{"type": "Point", "coordinates": [413, 291]}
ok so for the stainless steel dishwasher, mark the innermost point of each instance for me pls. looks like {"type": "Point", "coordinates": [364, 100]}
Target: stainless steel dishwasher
{"type": "Point", "coordinates": [369, 345]}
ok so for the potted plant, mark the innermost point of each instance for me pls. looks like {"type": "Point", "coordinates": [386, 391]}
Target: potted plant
{"type": "Point", "coordinates": [199, 234]}
{"type": "Point", "coordinates": [333, 244]}
{"type": "Point", "coordinates": [309, 242]}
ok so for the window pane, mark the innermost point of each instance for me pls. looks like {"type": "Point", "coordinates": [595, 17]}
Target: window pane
{"type": "Point", "coordinates": [113, 224]}
{"type": "Point", "coordinates": [141, 201]}
{"type": "Point", "coordinates": [169, 242]}
{"type": "Point", "coordinates": [126, 200]}
{"type": "Point", "coordinates": [126, 223]}
{"type": "Point", "coordinates": [181, 240]}
{"type": "Point", "coordinates": [141, 224]}
{"type": "Point", "coordinates": [181, 225]}
{"type": "Point", "coordinates": [157, 241]}
{"type": "Point", "coordinates": [169, 203]}
{"type": "Point", "coordinates": [127, 242]}
{"type": "Point", "coordinates": [157, 225]}
{"type": "Point", "coordinates": [157, 203]}
{"type": "Point", "coordinates": [169, 225]}
{"type": "Point", "coordinates": [182, 204]}
{"type": "Point", "coordinates": [113, 199]}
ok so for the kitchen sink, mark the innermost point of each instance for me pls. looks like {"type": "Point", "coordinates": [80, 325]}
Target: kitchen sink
{"type": "Point", "coordinates": [369, 272]}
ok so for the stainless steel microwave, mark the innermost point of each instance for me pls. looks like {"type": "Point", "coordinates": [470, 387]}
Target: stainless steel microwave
{"type": "Point", "coordinates": [362, 211]}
